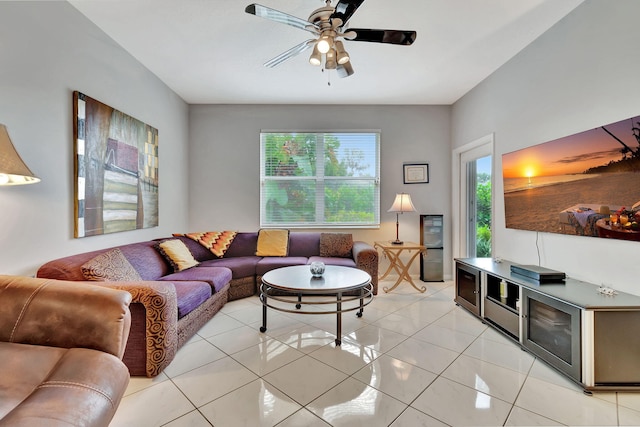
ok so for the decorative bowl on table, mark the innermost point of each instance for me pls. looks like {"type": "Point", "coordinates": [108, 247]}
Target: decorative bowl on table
{"type": "Point", "coordinates": [317, 269]}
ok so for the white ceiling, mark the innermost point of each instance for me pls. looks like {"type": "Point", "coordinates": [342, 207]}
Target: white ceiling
{"type": "Point", "coordinates": [211, 51]}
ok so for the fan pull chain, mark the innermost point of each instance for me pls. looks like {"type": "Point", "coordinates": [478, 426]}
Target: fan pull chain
{"type": "Point", "coordinates": [328, 76]}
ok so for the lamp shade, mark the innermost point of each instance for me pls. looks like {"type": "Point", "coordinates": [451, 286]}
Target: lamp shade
{"type": "Point", "coordinates": [324, 44]}
{"type": "Point", "coordinates": [342, 55]}
{"type": "Point", "coordinates": [316, 56]}
{"type": "Point", "coordinates": [402, 203]}
{"type": "Point", "coordinates": [13, 171]}
{"type": "Point", "coordinates": [330, 60]}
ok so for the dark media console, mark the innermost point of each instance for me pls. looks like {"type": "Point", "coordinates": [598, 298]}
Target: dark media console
{"type": "Point", "coordinates": [588, 336]}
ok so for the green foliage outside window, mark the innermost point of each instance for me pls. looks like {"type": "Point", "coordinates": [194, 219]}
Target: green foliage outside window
{"type": "Point", "coordinates": [341, 189]}
{"type": "Point", "coordinates": [483, 215]}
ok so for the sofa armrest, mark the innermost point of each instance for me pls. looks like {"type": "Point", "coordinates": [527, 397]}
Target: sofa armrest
{"type": "Point", "coordinates": [63, 314]}
{"type": "Point", "coordinates": [366, 258]}
{"type": "Point", "coordinates": [159, 335]}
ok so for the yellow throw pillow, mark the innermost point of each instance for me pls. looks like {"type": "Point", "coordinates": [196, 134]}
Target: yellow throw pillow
{"type": "Point", "coordinates": [177, 254]}
{"type": "Point", "coordinates": [273, 243]}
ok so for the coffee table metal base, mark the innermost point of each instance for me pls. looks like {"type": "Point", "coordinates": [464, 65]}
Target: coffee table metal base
{"type": "Point", "coordinates": [343, 304]}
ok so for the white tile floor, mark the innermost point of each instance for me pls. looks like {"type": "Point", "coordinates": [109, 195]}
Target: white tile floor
{"type": "Point", "coordinates": [412, 360]}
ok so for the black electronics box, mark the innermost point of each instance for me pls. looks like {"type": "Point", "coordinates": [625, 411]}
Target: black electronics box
{"type": "Point", "coordinates": [539, 274]}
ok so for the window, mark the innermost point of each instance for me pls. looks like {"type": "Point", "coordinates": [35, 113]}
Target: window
{"type": "Point", "coordinates": [318, 179]}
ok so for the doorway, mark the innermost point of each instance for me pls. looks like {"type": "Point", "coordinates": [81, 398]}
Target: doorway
{"type": "Point", "coordinates": [479, 207]}
{"type": "Point", "coordinates": [472, 199]}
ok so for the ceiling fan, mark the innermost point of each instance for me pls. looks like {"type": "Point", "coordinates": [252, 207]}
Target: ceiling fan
{"type": "Point", "coordinates": [328, 24]}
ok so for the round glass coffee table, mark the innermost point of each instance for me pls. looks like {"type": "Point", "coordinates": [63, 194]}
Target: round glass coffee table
{"type": "Point", "coordinates": [282, 289]}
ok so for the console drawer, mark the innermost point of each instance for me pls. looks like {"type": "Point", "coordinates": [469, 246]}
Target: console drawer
{"type": "Point", "coordinates": [502, 317]}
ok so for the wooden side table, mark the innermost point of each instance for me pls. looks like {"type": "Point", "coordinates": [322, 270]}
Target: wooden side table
{"type": "Point", "coordinates": [393, 252]}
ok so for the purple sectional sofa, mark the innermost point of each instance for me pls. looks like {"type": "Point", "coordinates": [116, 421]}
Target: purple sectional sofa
{"type": "Point", "coordinates": [168, 308]}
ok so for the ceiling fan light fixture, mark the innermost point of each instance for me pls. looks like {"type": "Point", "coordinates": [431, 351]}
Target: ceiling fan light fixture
{"type": "Point", "coordinates": [341, 53]}
{"type": "Point", "coordinates": [324, 44]}
{"type": "Point", "coordinates": [330, 61]}
{"type": "Point", "coordinates": [316, 56]}
{"type": "Point", "coordinates": [327, 24]}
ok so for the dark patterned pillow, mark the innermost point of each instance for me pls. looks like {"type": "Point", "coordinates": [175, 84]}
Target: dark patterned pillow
{"type": "Point", "coordinates": [110, 266]}
{"type": "Point", "coordinates": [336, 245]}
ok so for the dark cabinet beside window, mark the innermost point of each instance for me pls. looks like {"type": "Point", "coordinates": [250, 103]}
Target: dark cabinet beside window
{"type": "Point", "coordinates": [432, 236]}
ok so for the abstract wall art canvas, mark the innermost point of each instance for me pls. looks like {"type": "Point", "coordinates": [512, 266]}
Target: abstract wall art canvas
{"type": "Point", "coordinates": [587, 184]}
{"type": "Point", "coordinates": [116, 169]}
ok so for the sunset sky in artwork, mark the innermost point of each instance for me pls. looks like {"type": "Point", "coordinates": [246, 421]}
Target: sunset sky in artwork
{"type": "Point", "coordinates": [572, 154]}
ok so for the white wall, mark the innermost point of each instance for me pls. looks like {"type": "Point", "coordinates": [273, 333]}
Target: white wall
{"type": "Point", "coordinates": [225, 161]}
{"type": "Point", "coordinates": [581, 74]}
{"type": "Point", "coordinates": [48, 50]}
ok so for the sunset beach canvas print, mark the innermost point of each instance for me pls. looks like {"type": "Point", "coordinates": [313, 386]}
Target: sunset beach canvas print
{"type": "Point", "coordinates": [585, 184]}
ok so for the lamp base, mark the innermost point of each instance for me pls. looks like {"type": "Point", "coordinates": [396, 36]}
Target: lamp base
{"type": "Point", "coordinates": [397, 242]}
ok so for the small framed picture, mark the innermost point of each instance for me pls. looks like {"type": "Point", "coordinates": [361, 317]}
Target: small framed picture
{"type": "Point", "coordinates": [416, 173]}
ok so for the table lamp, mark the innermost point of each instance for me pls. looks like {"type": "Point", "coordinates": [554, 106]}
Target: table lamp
{"type": "Point", "coordinates": [13, 171]}
{"type": "Point", "coordinates": [401, 204]}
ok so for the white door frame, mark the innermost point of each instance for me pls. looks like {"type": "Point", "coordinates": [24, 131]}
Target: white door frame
{"type": "Point", "coordinates": [479, 148]}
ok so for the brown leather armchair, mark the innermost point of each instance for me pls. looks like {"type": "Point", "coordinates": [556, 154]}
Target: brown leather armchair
{"type": "Point", "coordinates": [61, 345]}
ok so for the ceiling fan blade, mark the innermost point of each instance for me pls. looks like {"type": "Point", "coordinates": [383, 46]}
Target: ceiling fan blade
{"type": "Point", "coordinates": [344, 70]}
{"type": "Point", "coordinates": [345, 9]}
{"type": "Point", "coordinates": [405, 38]}
{"type": "Point", "coordinates": [296, 50]}
{"type": "Point", "coordinates": [281, 17]}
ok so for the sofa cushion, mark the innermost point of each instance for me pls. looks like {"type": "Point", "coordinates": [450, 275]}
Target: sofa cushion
{"type": "Point", "coordinates": [216, 277]}
{"type": "Point", "coordinates": [190, 295]}
{"type": "Point", "coordinates": [47, 386]}
{"type": "Point", "coordinates": [304, 243]}
{"type": "Point", "coordinates": [146, 259]}
{"type": "Point", "coordinates": [271, 263]}
{"type": "Point", "coordinates": [273, 242]}
{"type": "Point", "coordinates": [110, 266]}
{"type": "Point", "coordinates": [336, 245]}
{"type": "Point", "coordinates": [244, 244]}
{"type": "Point", "coordinates": [242, 266]}
{"type": "Point", "coordinates": [177, 254]}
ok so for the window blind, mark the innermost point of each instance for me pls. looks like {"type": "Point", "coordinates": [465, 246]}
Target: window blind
{"type": "Point", "coordinates": [320, 179]}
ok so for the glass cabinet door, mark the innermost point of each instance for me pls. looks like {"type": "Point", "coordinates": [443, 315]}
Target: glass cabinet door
{"type": "Point", "coordinates": [468, 288]}
{"type": "Point", "coordinates": [552, 331]}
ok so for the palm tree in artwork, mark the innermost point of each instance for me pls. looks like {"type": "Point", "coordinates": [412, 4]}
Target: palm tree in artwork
{"type": "Point", "coordinates": [626, 150]}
